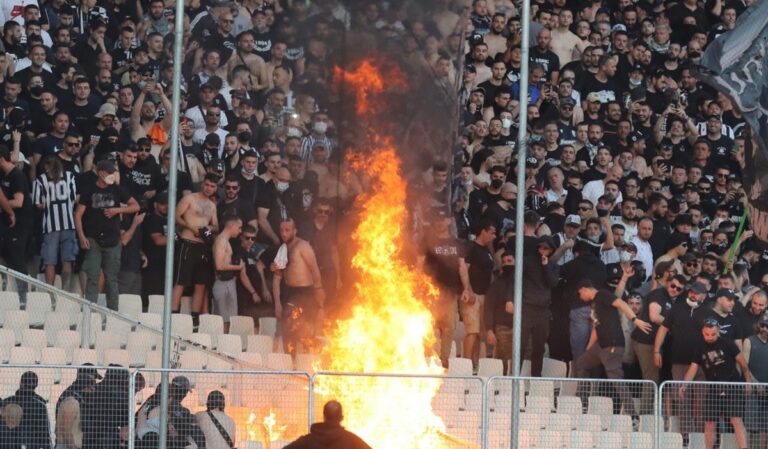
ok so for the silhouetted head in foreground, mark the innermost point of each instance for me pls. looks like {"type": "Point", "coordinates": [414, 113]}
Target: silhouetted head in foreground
{"type": "Point", "coordinates": [332, 412]}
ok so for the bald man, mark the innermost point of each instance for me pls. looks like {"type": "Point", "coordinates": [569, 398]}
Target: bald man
{"type": "Point", "coordinates": [329, 434]}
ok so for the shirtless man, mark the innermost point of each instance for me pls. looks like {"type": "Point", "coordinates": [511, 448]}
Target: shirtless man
{"type": "Point", "coordinates": [227, 271]}
{"type": "Point", "coordinates": [196, 212]}
{"type": "Point", "coordinates": [302, 294]}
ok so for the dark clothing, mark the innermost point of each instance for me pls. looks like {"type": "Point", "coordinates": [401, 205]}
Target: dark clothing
{"type": "Point", "coordinates": [498, 294]}
{"type": "Point", "coordinates": [480, 261]}
{"type": "Point", "coordinates": [684, 325]}
{"type": "Point", "coordinates": [34, 421]}
{"type": "Point", "coordinates": [539, 280]}
{"type": "Point", "coordinates": [250, 188]}
{"type": "Point", "coordinates": [106, 231]}
{"type": "Point", "coordinates": [146, 176]}
{"type": "Point", "coordinates": [608, 320]}
{"type": "Point", "coordinates": [110, 411]}
{"type": "Point", "coordinates": [441, 262]}
{"type": "Point", "coordinates": [478, 201]}
{"type": "Point", "coordinates": [730, 329]}
{"type": "Point", "coordinates": [717, 360]}
{"type": "Point", "coordinates": [328, 436]}
{"type": "Point", "coordinates": [660, 236]}
{"type": "Point", "coordinates": [240, 207]}
{"type": "Point", "coordinates": [660, 297]}
{"type": "Point", "coordinates": [586, 266]}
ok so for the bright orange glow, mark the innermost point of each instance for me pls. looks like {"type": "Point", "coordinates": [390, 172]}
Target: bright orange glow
{"type": "Point", "coordinates": [267, 431]}
{"type": "Point", "coordinates": [390, 326]}
{"type": "Point", "coordinates": [367, 82]}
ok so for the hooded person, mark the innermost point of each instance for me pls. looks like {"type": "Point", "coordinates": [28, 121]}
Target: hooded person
{"type": "Point", "coordinates": [329, 434]}
{"type": "Point", "coordinates": [108, 410]}
{"type": "Point", "coordinates": [72, 408]}
{"type": "Point", "coordinates": [182, 425]}
{"type": "Point", "coordinates": [34, 420]}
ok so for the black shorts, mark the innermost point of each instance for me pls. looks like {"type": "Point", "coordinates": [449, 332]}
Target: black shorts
{"type": "Point", "coordinates": [193, 264]}
{"type": "Point", "coordinates": [724, 401]}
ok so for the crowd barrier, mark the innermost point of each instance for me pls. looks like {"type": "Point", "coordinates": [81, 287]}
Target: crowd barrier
{"type": "Point", "coordinates": [268, 409]}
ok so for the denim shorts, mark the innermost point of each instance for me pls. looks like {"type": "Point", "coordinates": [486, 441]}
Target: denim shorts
{"type": "Point", "coordinates": [59, 246]}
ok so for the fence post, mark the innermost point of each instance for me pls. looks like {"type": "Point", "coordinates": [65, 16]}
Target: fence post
{"type": "Point", "coordinates": [85, 328]}
{"type": "Point", "coordinates": [659, 424]}
{"type": "Point", "coordinates": [131, 408]}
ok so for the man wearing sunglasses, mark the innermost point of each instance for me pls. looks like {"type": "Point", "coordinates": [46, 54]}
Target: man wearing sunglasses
{"type": "Point", "coordinates": [683, 323]}
{"type": "Point", "coordinates": [146, 174]}
{"type": "Point", "coordinates": [718, 358]}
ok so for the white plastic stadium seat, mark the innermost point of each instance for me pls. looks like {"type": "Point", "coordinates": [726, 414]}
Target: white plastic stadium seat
{"type": "Point", "coordinates": [117, 357]}
{"type": "Point", "coordinates": [640, 440]}
{"type": "Point", "coordinates": [139, 344]}
{"type": "Point", "coordinates": [569, 404]}
{"type": "Point", "coordinates": [600, 405]}
{"type": "Point", "coordinates": [305, 362]}
{"type": "Point", "coordinates": [119, 327]}
{"type": "Point", "coordinates": [17, 321]}
{"type": "Point", "coordinates": [8, 301]}
{"type": "Point", "coordinates": [253, 359]}
{"type": "Point", "coordinates": [611, 440]}
{"type": "Point", "coordinates": [260, 343]}
{"type": "Point", "coordinates": [7, 341]}
{"type": "Point", "coordinates": [561, 421]}
{"type": "Point", "coordinates": [68, 341]}
{"type": "Point", "coordinates": [230, 345]}
{"type": "Point", "coordinates": [181, 325]}
{"type": "Point", "coordinates": [34, 338]}
{"type": "Point", "coordinates": [154, 320]}
{"type": "Point", "coordinates": [554, 368]}
{"type": "Point", "coordinates": [671, 440]}
{"type": "Point", "coordinates": [590, 423]}
{"type": "Point", "coordinates": [71, 307]}
{"type": "Point", "coordinates": [279, 362]}
{"type": "Point", "coordinates": [38, 304]}
{"type": "Point", "coordinates": [156, 304]}
{"type": "Point", "coordinates": [129, 305]}
{"type": "Point", "coordinates": [581, 440]}
{"type": "Point", "coordinates": [212, 325]}
{"type": "Point", "coordinates": [22, 355]}
{"type": "Point", "coordinates": [459, 367]}
{"type": "Point", "coordinates": [268, 326]}
{"type": "Point", "coordinates": [55, 322]}
{"type": "Point", "coordinates": [490, 367]}
{"type": "Point", "coordinates": [242, 326]}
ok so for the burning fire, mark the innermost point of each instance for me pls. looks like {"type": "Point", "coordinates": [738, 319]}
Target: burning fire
{"type": "Point", "coordinates": [268, 431]}
{"type": "Point", "coordinates": [390, 328]}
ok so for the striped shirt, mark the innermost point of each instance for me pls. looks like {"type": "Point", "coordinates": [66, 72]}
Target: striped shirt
{"type": "Point", "coordinates": [308, 142]}
{"type": "Point", "coordinates": [58, 200]}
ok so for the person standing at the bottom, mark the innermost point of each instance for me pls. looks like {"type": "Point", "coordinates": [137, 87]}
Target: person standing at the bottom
{"type": "Point", "coordinates": [606, 343]}
{"type": "Point", "coordinates": [756, 355]}
{"type": "Point", "coordinates": [329, 434]}
{"type": "Point", "coordinates": [718, 359]}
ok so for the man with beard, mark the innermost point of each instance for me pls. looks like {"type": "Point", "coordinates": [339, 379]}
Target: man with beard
{"type": "Point", "coordinates": [197, 221]}
{"type": "Point", "coordinates": [603, 83]}
{"type": "Point", "coordinates": [244, 55]}
{"type": "Point", "coordinates": [499, 309]}
{"type": "Point", "coordinates": [586, 155]}
{"type": "Point", "coordinates": [276, 204]}
{"type": "Point", "coordinates": [541, 54]}
{"type": "Point", "coordinates": [146, 174]}
{"type": "Point", "coordinates": [144, 112]}
{"type": "Point", "coordinates": [235, 205]}
{"type": "Point", "coordinates": [655, 307]}
{"type": "Point", "coordinates": [212, 125]}
{"type": "Point", "coordinates": [443, 261]}
{"type": "Point", "coordinates": [502, 212]}
{"type": "Point", "coordinates": [495, 84]}
{"type": "Point", "coordinates": [263, 37]}
{"type": "Point", "coordinates": [611, 120]}
{"type": "Point", "coordinates": [749, 316]}
{"type": "Point", "coordinates": [480, 199]}
{"type": "Point", "coordinates": [628, 218]}
{"type": "Point", "coordinates": [299, 301]}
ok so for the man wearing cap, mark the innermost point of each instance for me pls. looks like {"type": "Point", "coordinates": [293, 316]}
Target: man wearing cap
{"type": "Point", "coordinates": [606, 342]}
{"type": "Point", "coordinates": [97, 220]}
{"type": "Point", "coordinates": [183, 421]}
{"type": "Point", "coordinates": [722, 312]}
{"type": "Point", "coordinates": [70, 409]}
{"type": "Point", "coordinates": [34, 420]}
{"type": "Point", "coordinates": [718, 358]}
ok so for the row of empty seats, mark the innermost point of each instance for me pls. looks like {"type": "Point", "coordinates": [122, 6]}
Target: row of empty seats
{"type": "Point", "coordinates": [488, 367]}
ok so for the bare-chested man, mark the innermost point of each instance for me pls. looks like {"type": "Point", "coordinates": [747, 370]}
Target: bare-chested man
{"type": "Point", "coordinates": [301, 295]}
{"type": "Point", "coordinates": [227, 271]}
{"type": "Point", "coordinates": [195, 214]}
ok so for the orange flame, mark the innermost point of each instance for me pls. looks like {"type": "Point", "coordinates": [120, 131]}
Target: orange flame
{"type": "Point", "coordinates": [367, 82]}
{"type": "Point", "coordinates": [390, 325]}
{"type": "Point", "coordinates": [266, 431]}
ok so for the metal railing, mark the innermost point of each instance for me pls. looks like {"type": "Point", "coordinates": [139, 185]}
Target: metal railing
{"type": "Point", "coordinates": [267, 409]}
{"type": "Point", "coordinates": [104, 329]}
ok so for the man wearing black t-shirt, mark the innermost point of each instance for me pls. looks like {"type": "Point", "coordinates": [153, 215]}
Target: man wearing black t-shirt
{"type": "Point", "coordinates": [479, 262]}
{"type": "Point", "coordinates": [443, 261]}
{"type": "Point", "coordinates": [97, 220]}
{"type": "Point", "coordinates": [233, 204]}
{"type": "Point", "coordinates": [155, 239]}
{"type": "Point", "coordinates": [722, 312]}
{"type": "Point", "coordinates": [606, 344]}
{"type": "Point", "coordinates": [541, 54]}
{"type": "Point", "coordinates": [718, 358]}
{"type": "Point", "coordinates": [13, 241]}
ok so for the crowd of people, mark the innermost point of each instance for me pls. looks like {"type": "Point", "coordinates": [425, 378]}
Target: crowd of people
{"type": "Point", "coordinates": [634, 190]}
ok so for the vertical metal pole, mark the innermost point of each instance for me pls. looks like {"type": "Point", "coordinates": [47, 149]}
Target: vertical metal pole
{"type": "Point", "coordinates": [178, 47]}
{"type": "Point", "coordinates": [519, 215]}
{"type": "Point", "coordinates": [131, 408]}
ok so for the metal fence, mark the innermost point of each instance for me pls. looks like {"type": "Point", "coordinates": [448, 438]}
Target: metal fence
{"type": "Point", "coordinates": [701, 415]}
{"type": "Point", "coordinates": [572, 413]}
{"type": "Point", "coordinates": [257, 409]}
{"type": "Point", "coordinates": [97, 406]}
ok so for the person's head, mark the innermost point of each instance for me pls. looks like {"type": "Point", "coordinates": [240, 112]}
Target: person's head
{"type": "Point", "coordinates": [215, 401]}
{"type": "Point", "coordinates": [486, 233]}
{"type": "Point", "coordinates": [210, 184]}
{"type": "Point", "coordinates": [635, 302]}
{"type": "Point", "coordinates": [248, 237]}
{"type": "Point", "coordinates": [231, 188]}
{"type": "Point", "coordinates": [645, 228]}
{"type": "Point", "coordinates": [758, 303]}
{"type": "Point", "coordinates": [710, 330]}
{"type": "Point", "coordinates": [287, 230]}
{"type": "Point", "coordinates": [675, 285]}
{"type": "Point", "coordinates": [232, 226]}
{"type": "Point", "coordinates": [586, 290]}
{"type": "Point", "coordinates": [128, 157]}
{"type": "Point", "coordinates": [333, 413]}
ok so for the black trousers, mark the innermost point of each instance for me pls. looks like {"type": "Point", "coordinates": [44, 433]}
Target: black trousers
{"type": "Point", "coordinates": [534, 332]}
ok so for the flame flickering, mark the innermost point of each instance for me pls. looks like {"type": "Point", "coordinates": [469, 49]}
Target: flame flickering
{"type": "Point", "coordinates": [267, 431]}
{"type": "Point", "coordinates": [390, 328]}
